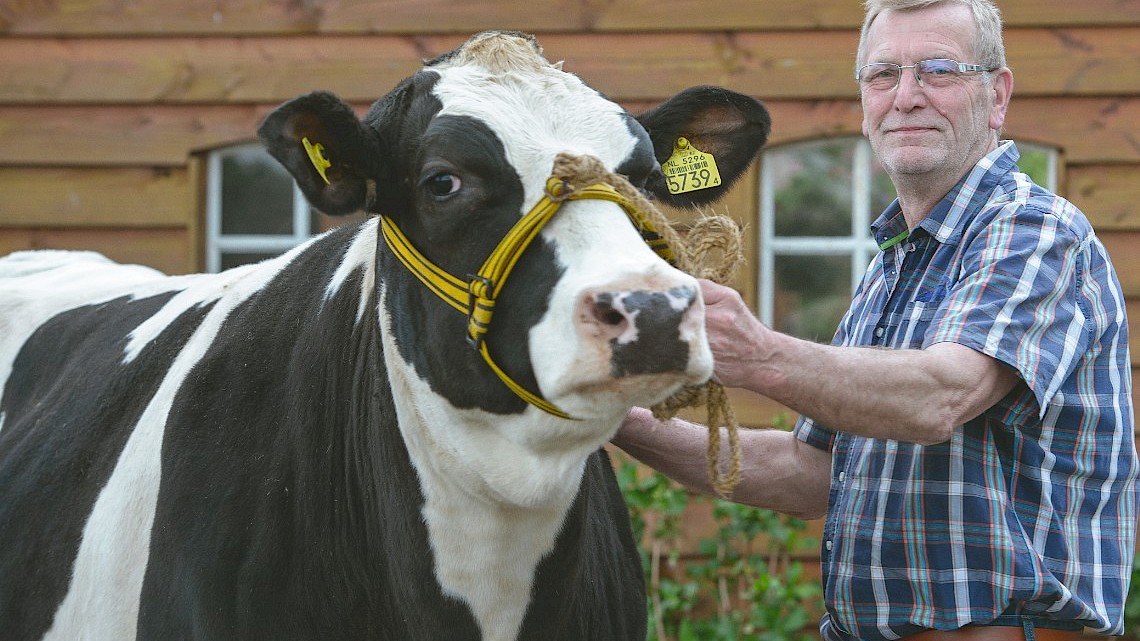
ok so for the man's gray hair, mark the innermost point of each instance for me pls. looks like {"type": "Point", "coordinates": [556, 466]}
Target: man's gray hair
{"type": "Point", "coordinates": [989, 48]}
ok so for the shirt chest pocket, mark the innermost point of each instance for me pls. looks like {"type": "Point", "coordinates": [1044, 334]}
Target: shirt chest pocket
{"type": "Point", "coordinates": [907, 328]}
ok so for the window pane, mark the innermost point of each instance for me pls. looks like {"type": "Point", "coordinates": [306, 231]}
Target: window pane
{"type": "Point", "coordinates": [812, 293]}
{"type": "Point", "coordinates": [257, 194]}
{"type": "Point", "coordinates": [813, 188]}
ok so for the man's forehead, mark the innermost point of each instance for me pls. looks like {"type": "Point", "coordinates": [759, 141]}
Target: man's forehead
{"type": "Point", "coordinates": [941, 30]}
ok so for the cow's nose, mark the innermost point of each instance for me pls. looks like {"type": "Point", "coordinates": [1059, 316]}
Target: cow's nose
{"type": "Point", "coordinates": [647, 330]}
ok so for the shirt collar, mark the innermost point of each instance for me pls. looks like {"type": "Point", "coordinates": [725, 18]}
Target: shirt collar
{"type": "Point", "coordinates": [947, 221]}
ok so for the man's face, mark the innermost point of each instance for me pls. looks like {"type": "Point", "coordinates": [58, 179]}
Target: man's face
{"type": "Point", "coordinates": [923, 130]}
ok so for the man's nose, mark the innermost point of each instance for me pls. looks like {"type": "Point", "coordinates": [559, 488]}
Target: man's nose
{"type": "Point", "coordinates": [909, 93]}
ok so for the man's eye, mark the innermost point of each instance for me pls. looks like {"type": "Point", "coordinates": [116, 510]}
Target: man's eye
{"type": "Point", "coordinates": [939, 68]}
{"type": "Point", "coordinates": [882, 74]}
{"type": "Point", "coordinates": [443, 184]}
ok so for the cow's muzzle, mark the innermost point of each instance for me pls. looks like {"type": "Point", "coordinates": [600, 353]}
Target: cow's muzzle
{"type": "Point", "coordinates": [648, 332]}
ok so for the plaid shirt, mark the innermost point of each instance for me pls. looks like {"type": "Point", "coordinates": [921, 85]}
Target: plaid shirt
{"type": "Point", "coordinates": [1029, 508]}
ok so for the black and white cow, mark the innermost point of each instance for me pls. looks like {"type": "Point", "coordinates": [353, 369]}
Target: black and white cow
{"type": "Point", "coordinates": [308, 448]}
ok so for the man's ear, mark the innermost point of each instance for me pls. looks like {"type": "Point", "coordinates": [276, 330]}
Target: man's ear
{"type": "Point", "coordinates": [729, 126]}
{"type": "Point", "coordinates": [331, 154]}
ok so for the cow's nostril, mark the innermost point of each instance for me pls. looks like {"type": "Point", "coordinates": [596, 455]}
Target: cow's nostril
{"type": "Point", "coordinates": [610, 316]}
{"type": "Point", "coordinates": [606, 310]}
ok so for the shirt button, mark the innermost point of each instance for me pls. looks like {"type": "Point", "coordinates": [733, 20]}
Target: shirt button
{"type": "Point", "coordinates": [879, 331]}
{"type": "Point", "coordinates": [827, 544]}
{"type": "Point", "coordinates": [842, 476]}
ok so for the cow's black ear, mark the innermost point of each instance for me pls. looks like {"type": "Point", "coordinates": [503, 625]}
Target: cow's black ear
{"type": "Point", "coordinates": [330, 153]}
{"type": "Point", "coordinates": [730, 126]}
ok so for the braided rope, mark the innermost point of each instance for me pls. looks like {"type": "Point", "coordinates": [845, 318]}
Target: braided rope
{"type": "Point", "coordinates": [697, 254]}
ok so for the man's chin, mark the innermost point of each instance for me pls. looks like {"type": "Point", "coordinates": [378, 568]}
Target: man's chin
{"type": "Point", "coordinates": [909, 161]}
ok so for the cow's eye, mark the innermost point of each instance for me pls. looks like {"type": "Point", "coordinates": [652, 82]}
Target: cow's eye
{"type": "Point", "coordinates": [442, 184]}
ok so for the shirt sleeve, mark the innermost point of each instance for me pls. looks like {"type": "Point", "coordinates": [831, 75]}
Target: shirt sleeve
{"type": "Point", "coordinates": [1017, 296]}
{"type": "Point", "coordinates": [814, 435]}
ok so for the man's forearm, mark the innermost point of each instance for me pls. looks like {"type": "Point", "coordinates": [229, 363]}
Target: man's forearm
{"type": "Point", "coordinates": [779, 472]}
{"type": "Point", "coordinates": [911, 395]}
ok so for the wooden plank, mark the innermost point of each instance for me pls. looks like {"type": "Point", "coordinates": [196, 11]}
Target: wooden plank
{"type": "Point", "coordinates": [196, 171]}
{"type": "Point", "coordinates": [1085, 130]}
{"type": "Point", "coordinates": [165, 249]}
{"type": "Point", "coordinates": [117, 136]}
{"type": "Point", "coordinates": [97, 197]}
{"type": "Point", "coordinates": [1074, 62]}
{"type": "Point", "coordinates": [1088, 130]}
{"type": "Point", "coordinates": [819, 65]}
{"type": "Point", "coordinates": [1124, 249]}
{"type": "Point", "coordinates": [650, 66]}
{"type": "Point", "coordinates": [227, 17]}
{"type": "Point", "coordinates": [212, 70]}
{"type": "Point", "coordinates": [1132, 308]}
{"type": "Point", "coordinates": [1108, 194]}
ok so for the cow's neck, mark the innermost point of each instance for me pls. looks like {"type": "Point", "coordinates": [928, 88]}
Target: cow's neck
{"type": "Point", "coordinates": [493, 509]}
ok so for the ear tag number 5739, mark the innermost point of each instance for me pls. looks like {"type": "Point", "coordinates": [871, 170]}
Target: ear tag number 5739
{"type": "Point", "coordinates": [689, 169]}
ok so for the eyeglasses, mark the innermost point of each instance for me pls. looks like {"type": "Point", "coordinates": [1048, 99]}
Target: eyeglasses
{"type": "Point", "coordinates": [940, 72]}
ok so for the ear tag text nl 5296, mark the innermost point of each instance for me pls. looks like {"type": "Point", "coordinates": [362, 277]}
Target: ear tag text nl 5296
{"type": "Point", "coordinates": [689, 169]}
{"type": "Point", "coordinates": [317, 157]}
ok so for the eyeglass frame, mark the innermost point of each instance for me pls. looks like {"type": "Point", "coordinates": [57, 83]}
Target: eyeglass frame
{"type": "Point", "coordinates": [963, 67]}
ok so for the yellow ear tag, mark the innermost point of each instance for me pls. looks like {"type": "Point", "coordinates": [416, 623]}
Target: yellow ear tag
{"type": "Point", "coordinates": [689, 169]}
{"type": "Point", "coordinates": [317, 157]}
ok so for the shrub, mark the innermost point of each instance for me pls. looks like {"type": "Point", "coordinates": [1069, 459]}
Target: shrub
{"type": "Point", "coordinates": [745, 582]}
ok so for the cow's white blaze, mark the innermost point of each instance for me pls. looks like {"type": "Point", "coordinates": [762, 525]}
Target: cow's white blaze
{"type": "Point", "coordinates": [537, 112]}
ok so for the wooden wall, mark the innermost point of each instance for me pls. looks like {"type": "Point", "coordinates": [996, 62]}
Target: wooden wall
{"type": "Point", "coordinates": [106, 107]}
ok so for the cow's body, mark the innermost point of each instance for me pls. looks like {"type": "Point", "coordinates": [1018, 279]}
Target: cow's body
{"type": "Point", "coordinates": [307, 448]}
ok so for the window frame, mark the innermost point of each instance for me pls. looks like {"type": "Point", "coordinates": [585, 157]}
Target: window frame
{"type": "Point", "coordinates": [859, 245]}
{"type": "Point", "coordinates": [216, 244]}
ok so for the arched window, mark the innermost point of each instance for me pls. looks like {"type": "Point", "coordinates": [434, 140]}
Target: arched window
{"type": "Point", "coordinates": [817, 201]}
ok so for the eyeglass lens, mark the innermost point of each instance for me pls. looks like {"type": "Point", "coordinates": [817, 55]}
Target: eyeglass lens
{"type": "Point", "coordinates": [935, 73]}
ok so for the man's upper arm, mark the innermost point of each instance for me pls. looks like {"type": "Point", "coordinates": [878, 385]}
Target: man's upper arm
{"type": "Point", "coordinates": [979, 380]}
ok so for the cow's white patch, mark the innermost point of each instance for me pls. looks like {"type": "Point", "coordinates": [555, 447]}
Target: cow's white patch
{"type": "Point", "coordinates": [103, 598]}
{"type": "Point", "coordinates": [496, 490]}
{"type": "Point", "coordinates": [200, 289]}
{"type": "Point", "coordinates": [37, 285]}
{"type": "Point", "coordinates": [361, 253]}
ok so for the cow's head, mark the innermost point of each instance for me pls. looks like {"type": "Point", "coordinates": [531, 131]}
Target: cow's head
{"type": "Point", "coordinates": [591, 319]}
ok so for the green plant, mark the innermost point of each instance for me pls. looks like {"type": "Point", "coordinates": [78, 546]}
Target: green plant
{"type": "Point", "coordinates": [1132, 603]}
{"type": "Point", "coordinates": [744, 583]}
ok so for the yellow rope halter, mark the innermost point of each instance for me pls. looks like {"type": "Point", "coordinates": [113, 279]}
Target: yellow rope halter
{"type": "Point", "coordinates": [476, 296]}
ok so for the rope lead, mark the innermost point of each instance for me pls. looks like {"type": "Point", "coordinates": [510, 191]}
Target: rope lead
{"type": "Point", "coordinates": [696, 254]}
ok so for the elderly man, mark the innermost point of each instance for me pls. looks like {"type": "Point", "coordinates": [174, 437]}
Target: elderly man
{"type": "Point", "coordinates": [969, 434]}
